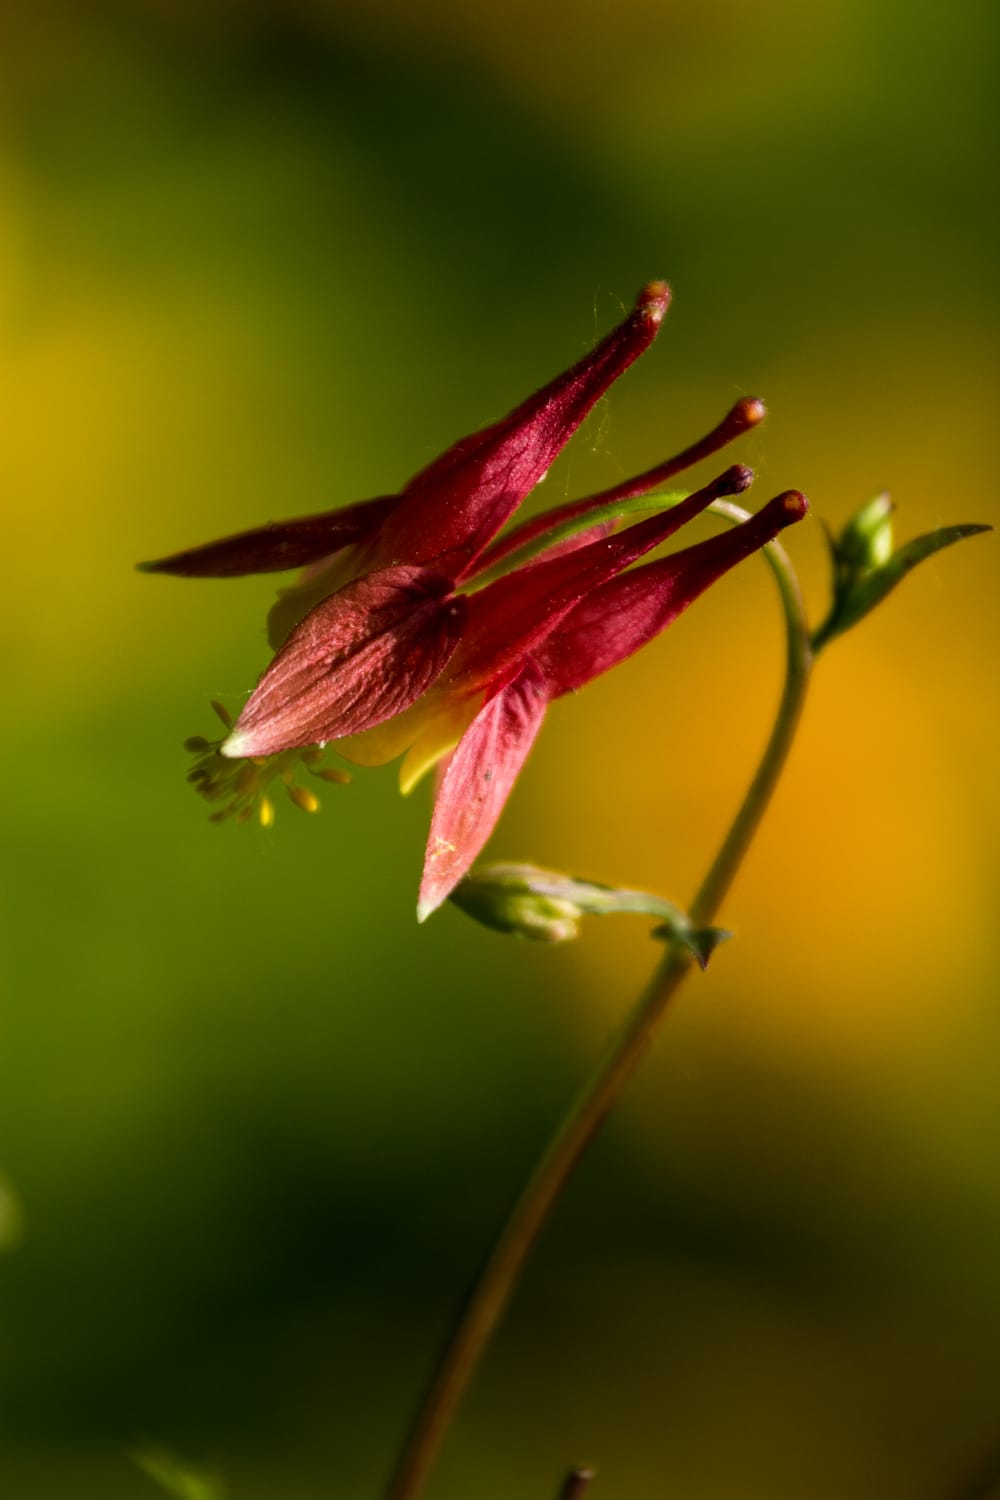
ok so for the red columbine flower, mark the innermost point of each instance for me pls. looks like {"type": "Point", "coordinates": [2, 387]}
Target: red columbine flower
{"type": "Point", "coordinates": [383, 648]}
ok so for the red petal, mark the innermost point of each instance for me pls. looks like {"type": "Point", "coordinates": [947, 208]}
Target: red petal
{"type": "Point", "coordinates": [450, 510]}
{"type": "Point", "coordinates": [279, 545]}
{"type": "Point", "coordinates": [624, 614]}
{"type": "Point", "coordinates": [362, 656]}
{"type": "Point", "coordinates": [481, 772]}
{"type": "Point", "coordinates": [512, 616]}
{"type": "Point", "coordinates": [739, 419]}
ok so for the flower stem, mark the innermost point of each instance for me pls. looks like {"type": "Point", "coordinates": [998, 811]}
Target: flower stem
{"type": "Point", "coordinates": [493, 1287]}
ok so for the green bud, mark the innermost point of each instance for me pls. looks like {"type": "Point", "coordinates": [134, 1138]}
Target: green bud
{"type": "Point", "coordinates": [866, 541]}
{"type": "Point", "coordinates": [547, 907]}
{"type": "Point", "coordinates": [508, 899]}
{"type": "Point", "coordinates": [866, 569]}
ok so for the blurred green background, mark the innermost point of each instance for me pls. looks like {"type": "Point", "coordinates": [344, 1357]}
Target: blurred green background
{"type": "Point", "coordinates": [257, 1127]}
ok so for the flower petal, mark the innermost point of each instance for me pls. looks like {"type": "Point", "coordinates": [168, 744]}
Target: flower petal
{"type": "Point", "coordinates": [624, 614]}
{"type": "Point", "coordinates": [279, 545]}
{"type": "Point", "coordinates": [449, 512]}
{"type": "Point", "coordinates": [437, 740]}
{"type": "Point", "coordinates": [478, 781]}
{"type": "Point", "coordinates": [509, 618]}
{"type": "Point", "coordinates": [360, 657]}
{"type": "Point", "coordinates": [738, 420]}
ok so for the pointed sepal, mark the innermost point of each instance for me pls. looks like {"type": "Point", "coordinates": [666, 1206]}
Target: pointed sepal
{"type": "Point", "coordinates": [477, 782]}
{"type": "Point", "coordinates": [279, 545]}
{"type": "Point", "coordinates": [451, 510]}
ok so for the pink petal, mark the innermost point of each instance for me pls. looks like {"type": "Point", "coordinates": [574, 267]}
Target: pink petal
{"type": "Point", "coordinates": [510, 617]}
{"type": "Point", "coordinates": [624, 614]}
{"type": "Point", "coordinates": [449, 511]}
{"type": "Point", "coordinates": [480, 774]}
{"type": "Point", "coordinates": [279, 545]}
{"type": "Point", "coordinates": [360, 657]}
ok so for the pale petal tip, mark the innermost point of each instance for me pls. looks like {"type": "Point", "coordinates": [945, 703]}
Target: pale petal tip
{"type": "Point", "coordinates": [426, 908]}
{"type": "Point", "coordinates": [238, 746]}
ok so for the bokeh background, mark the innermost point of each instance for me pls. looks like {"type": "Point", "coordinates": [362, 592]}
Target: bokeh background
{"type": "Point", "coordinates": [257, 1127]}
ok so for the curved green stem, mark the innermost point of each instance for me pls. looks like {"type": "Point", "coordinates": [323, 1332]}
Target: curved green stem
{"type": "Point", "coordinates": [499, 1275]}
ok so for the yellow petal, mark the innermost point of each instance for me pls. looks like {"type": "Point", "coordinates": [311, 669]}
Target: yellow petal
{"type": "Point", "coordinates": [438, 736]}
{"type": "Point", "coordinates": [373, 747]}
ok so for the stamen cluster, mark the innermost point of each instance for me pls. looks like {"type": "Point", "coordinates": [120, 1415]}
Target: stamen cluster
{"type": "Point", "coordinates": [242, 785]}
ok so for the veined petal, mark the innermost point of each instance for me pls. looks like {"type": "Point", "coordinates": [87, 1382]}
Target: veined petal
{"type": "Point", "coordinates": [478, 781]}
{"type": "Point", "coordinates": [279, 545]}
{"type": "Point", "coordinates": [511, 617]}
{"type": "Point", "coordinates": [449, 512]}
{"type": "Point", "coordinates": [361, 656]}
{"type": "Point", "coordinates": [624, 614]}
{"type": "Point", "coordinates": [314, 584]}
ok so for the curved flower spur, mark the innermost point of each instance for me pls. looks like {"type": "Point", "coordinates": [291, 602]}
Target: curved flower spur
{"type": "Point", "coordinates": [416, 627]}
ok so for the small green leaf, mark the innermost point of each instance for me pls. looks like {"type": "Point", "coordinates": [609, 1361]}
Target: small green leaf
{"type": "Point", "coordinates": [176, 1477]}
{"type": "Point", "coordinates": [866, 541]}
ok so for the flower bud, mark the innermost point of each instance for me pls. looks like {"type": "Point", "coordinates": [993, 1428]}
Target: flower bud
{"type": "Point", "coordinates": [544, 905]}
{"type": "Point", "coordinates": [519, 900]}
{"type": "Point", "coordinates": [866, 541]}
{"type": "Point", "coordinates": [866, 569]}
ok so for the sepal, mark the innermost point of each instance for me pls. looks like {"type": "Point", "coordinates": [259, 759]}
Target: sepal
{"type": "Point", "coordinates": [279, 545]}
{"type": "Point", "coordinates": [477, 782]}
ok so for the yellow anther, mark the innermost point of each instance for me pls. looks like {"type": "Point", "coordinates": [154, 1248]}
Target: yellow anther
{"type": "Point", "coordinates": [265, 812]}
{"type": "Point", "coordinates": [331, 774]}
{"type": "Point", "coordinates": [304, 799]}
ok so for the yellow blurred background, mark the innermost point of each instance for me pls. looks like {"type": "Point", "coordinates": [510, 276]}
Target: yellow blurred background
{"type": "Point", "coordinates": [256, 1127]}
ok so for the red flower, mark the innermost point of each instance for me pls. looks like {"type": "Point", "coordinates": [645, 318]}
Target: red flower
{"type": "Point", "coordinates": [380, 647]}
